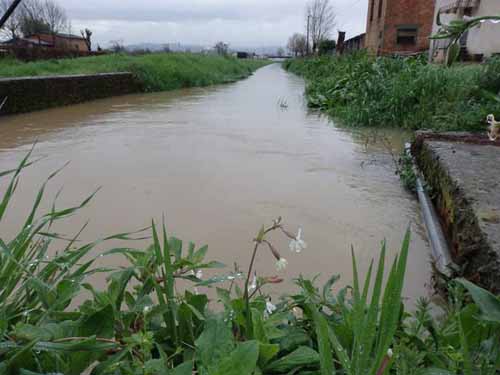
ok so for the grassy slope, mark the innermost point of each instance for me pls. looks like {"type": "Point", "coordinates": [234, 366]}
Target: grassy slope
{"type": "Point", "coordinates": [363, 91]}
{"type": "Point", "coordinates": [157, 71]}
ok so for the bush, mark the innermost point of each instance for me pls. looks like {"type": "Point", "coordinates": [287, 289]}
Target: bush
{"type": "Point", "coordinates": [409, 93]}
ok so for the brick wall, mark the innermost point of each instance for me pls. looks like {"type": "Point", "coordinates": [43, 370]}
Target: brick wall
{"type": "Point", "coordinates": [386, 16]}
{"type": "Point", "coordinates": [35, 93]}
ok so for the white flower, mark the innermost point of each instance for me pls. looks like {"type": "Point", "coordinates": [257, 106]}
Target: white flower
{"type": "Point", "coordinates": [270, 308]}
{"type": "Point", "coordinates": [298, 244]}
{"type": "Point", "coordinates": [199, 274]}
{"type": "Point", "coordinates": [390, 353]}
{"type": "Point", "coordinates": [147, 310]}
{"type": "Point", "coordinates": [253, 285]}
{"type": "Point", "coordinates": [281, 264]}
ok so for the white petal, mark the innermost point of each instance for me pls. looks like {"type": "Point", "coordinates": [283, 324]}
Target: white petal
{"type": "Point", "coordinates": [281, 264]}
{"type": "Point", "coordinates": [199, 274]}
{"type": "Point", "coordinates": [270, 308]}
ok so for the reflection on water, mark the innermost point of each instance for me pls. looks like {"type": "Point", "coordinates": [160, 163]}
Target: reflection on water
{"type": "Point", "coordinates": [219, 162]}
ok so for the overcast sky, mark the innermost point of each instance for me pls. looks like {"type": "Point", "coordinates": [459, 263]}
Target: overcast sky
{"type": "Point", "coordinates": [249, 23]}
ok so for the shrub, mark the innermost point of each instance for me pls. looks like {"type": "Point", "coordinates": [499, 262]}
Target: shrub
{"type": "Point", "coordinates": [361, 90]}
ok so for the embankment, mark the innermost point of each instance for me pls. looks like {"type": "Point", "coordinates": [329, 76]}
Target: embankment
{"type": "Point", "coordinates": [360, 90]}
{"type": "Point", "coordinates": [460, 172]}
{"type": "Point", "coordinates": [43, 84]}
{"type": "Point", "coordinates": [36, 93]}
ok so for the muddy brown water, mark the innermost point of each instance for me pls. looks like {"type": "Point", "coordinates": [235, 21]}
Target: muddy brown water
{"type": "Point", "coordinates": [219, 162]}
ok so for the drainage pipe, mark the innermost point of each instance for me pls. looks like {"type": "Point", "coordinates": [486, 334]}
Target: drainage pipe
{"type": "Point", "coordinates": [439, 245]}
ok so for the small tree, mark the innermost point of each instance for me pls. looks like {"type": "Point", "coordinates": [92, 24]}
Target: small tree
{"type": "Point", "coordinates": [320, 21]}
{"type": "Point", "coordinates": [117, 46]}
{"type": "Point", "coordinates": [87, 35]}
{"type": "Point", "coordinates": [221, 48]}
{"type": "Point", "coordinates": [297, 44]}
{"type": "Point", "coordinates": [327, 47]}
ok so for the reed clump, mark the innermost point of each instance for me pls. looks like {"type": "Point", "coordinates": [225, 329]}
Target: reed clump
{"type": "Point", "coordinates": [360, 90]}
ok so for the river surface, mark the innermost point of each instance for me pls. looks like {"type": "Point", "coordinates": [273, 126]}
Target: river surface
{"type": "Point", "coordinates": [219, 162]}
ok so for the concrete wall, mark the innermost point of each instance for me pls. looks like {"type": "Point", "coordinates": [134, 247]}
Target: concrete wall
{"type": "Point", "coordinates": [381, 36]}
{"type": "Point", "coordinates": [482, 40]}
{"type": "Point", "coordinates": [27, 94]}
{"type": "Point", "coordinates": [485, 39]}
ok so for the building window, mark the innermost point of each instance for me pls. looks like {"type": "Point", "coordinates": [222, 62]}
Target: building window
{"type": "Point", "coordinates": [372, 9]}
{"type": "Point", "coordinates": [407, 35]}
{"type": "Point", "coordinates": [380, 4]}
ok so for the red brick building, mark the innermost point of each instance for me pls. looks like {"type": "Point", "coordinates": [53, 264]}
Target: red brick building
{"type": "Point", "coordinates": [399, 26]}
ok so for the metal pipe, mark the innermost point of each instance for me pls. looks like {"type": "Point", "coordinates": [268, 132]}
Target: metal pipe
{"type": "Point", "coordinates": [439, 245]}
{"type": "Point", "coordinates": [9, 12]}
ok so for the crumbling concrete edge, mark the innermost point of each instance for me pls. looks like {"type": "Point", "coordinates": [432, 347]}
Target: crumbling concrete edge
{"type": "Point", "coordinates": [468, 245]}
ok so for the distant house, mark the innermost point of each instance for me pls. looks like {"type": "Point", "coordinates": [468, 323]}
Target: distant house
{"type": "Point", "coordinates": [480, 42]}
{"type": "Point", "coordinates": [399, 26]}
{"type": "Point", "coordinates": [355, 43]}
{"type": "Point", "coordinates": [58, 41]}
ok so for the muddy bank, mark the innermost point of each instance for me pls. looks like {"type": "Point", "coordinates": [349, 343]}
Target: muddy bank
{"type": "Point", "coordinates": [461, 173]}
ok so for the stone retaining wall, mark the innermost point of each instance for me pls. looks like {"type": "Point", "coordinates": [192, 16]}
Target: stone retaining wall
{"type": "Point", "coordinates": [27, 94]}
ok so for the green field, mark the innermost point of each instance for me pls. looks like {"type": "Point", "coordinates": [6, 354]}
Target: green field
{"type": "Point", "coordinates": [360, 90]}
{"type": "Point", "coordinates": [158, 72]}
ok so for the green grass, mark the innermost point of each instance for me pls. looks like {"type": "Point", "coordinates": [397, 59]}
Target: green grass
{"type": "Point", "coordinates": [157, 72]}
{"type": "Point", "coordinates": [360, 90]}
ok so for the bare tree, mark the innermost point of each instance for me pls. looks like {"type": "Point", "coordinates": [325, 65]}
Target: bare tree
{"type": "Point", "coordinates": [45, 16]}
{"type": "Point", "coordinates": [117, 46]}
{"type": "Point", "coordinates": [297, 44]}
{"type": "Point", "coordinates": [54, 16]}
{"type": "Point", "coordinates": [320, 21]}
{"type": "Point", "coordinates": [12, 27]}
{"type": "Point", "coordinates": [87, 35]}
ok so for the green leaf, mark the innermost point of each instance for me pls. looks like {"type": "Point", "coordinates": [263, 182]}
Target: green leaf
{"type": "Point", "coordinates": [487, 302]}
{"type": "Point", "coordinates": [267, 352]}
{"type": "Point", "coordinates": [242, 360]}
{"type": "Point", "coordinates": [302, 356]}
{"type": "Point", "coordinates": [325, 350]}
{"type": "Point", "coordinates": [100, 323]}
{"type": "Point", "coordinates": [184, 369]}
{"type": "Point", "coordinates": [215, 342]}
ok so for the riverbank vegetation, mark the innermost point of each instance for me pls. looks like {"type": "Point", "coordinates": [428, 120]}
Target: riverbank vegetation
{"type": "Point", "coordinates": [154, 316]}
{"type": "Point", "coordinates": [360, 90]}
{"type": "Point", "coordinates": [156, 72]}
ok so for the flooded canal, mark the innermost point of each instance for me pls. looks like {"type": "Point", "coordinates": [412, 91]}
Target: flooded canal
{"type": "Point", "coordinates": [219, 162]}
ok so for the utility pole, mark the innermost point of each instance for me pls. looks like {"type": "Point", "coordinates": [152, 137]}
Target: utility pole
{"type": "Point", "coordinates": [307, 38]}
{"type": "Point", "coordinates": [9, 12]}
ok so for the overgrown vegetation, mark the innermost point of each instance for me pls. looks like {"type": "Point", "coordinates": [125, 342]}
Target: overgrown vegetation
{"type": "Point", "coordinates": [157, 72]}
{"type": "Point", "coordinates": [142, 323]}
{"type": "Point", "coordinates": [361, 90]}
